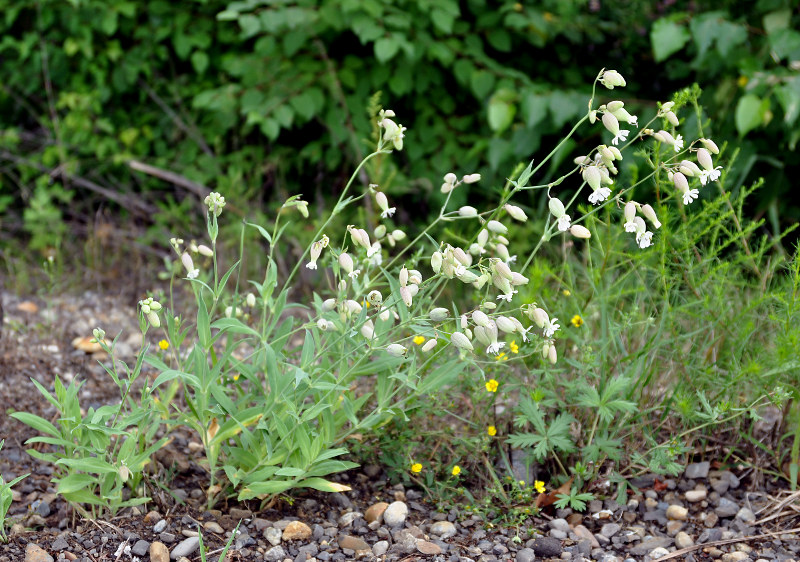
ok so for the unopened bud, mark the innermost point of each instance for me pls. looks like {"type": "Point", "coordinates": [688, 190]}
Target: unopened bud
{"type": "Point", "coordinates": [579, 231]}
{"type": "Point", "coordinates": [516, 213]}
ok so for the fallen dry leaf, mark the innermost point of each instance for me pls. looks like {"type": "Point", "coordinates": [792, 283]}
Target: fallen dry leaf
{"type": "Point", "coordinates": [549, 498]}
{"type": "Point", "coordinates": [88, 344]}
{"type": "Point", "coordinates": [28, 306]}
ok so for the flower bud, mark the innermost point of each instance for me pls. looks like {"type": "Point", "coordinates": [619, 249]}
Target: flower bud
{"type": "Point", "coordinates": [464, 322]}
{"type": "Point", "coordinates": [99, 334]}
{"type": "Point", "coordinates": [612, 78]}
{"type": "Point", "coordinates": [467, 211]}
{"type": "Point", "coordinates": [502, 269]}
{"type": "Point", "coordinates": [375, 298]}
{"type": "Point", "coordinates": [429, 345]}
{"type": "Point", "coordinates": [650, 215]}
{"type": "Point", "coordinates": [556, 207]}
{"type": "Point", "coordinates": [205, 251]}
{"type": "Point", "coordinates": [496, 227]}
{"type": "Point", "coordinates": [502, 283]}
{"type": "Point", "coordinates": [462, 257]}
{"type": "Point", "coordinates": [612, 106]}
{"type": "Point", "coordinates": [403, 277]}
{"type": "Point", "coordinates": [398, 235]}
{"type": "Point", "coordinates": [704, 158]}
{"type": "Point", "coordinates": [518, 279]}
{"type": "Point", "coordinates": [368, 330]}
{"type": "Point", "coordinates": [488, 305]}
{"type": "Point", "coordinates": [396, 350]}
{"type": "Point", "coordinates": [436, 262]}
{"type": "Point", "coordinates": [471, 178]}
{"type": "Point", "coordinates": [154, 320]}
{"type": "Point", "coordinates": [592, 176]}
{"type": "Point", "coordinates": [482, 335]}
{"type": "Point", "coordinates": [466, 276]}
{"type": "Point", "coordinates": [346, 262]}
{"type": "Point", "coordinates": [461, 341]}
{"type": "Point", "coordinates": [380, 231]}
{"type": "Point", "coordinates": [328, 305]}
{"type": "Point", "coordinates": [579, 231]}
{"type": "Point", "coordinates": [710, 146]}
{"type": "Point", "coordinates": [672, 118]}
{"type": "Point", "coordinates": [505, 324]}
{"type": "Point", "coordinates": [483, 238]}
{"type": "Point", "coordinates": [439, 314]}
{"type": "Point", "coordinates": [680, 182]}
{"type": "Point", "coordinates": [611, 123]}
{"type": "Point", "coordinates": [502, 252]}
{"type": "Point", "coordinates": [630, 211]}
{"type": "Point", "coordinates": [479, 318]}
{"type": "Point", "coordinates": [516, 212]}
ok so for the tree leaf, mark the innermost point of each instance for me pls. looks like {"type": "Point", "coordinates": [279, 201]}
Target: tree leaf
{"type": "Point", "coordinates": [667, 38]}
{"type": "Point", "coordinates": [748, 114]}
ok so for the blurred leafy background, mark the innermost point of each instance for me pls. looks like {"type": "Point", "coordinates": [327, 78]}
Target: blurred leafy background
{"type": "Point", "coordinates": [117, 116]}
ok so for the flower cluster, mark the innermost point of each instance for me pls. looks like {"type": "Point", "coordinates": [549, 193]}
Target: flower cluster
{"type": "Point", "coordinates": [150, 308]}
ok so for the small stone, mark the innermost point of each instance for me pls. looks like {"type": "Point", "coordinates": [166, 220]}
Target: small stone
{"type": "Point", "coordinates": [59, 544]}
{"type": "Point", "coordinates": [353, 543]}
{"type": "Point", "coordinates": [395, 514]}
{"type": "Point", "coordinates": [140, 548]}
{"type": "Point", "coordinates": [560, 524]}
{"type": "Point", "coordinates": [167, 538]}
{"type": "Point", "coordinates": [734, 556]}
{"type": "Point", "coordinates": [380, 548]}
{"type": "Point", "coordinates": [237, 513]}
{"type": "Point", "coordinates": [726, 508]}
{"type": "Point", "coordinates": [275, 554]}
{"type": "Point", "coordinates": [347, 519]}
{"type": "Point", "coordinates": [646, 546]}
{"type": "Point", "coordinates": [427, 547]}
{"type": "Point", "coordinates": [152, 517]}
{"type": "Point", "coordinates": [273, 536]}
{"type": "Point", "coordinates": [583, 533]}
{"type": "Point", "coordinates": [683, 540]}
{"type": "Point", "coordinates": [526, 555]}
{"type": "Point", "coordinates": [610, 529]}
{"type": "Point", "coordinates": [658, 552]}
{"type": "Point", "coordinates": [697, 470]}
{"type": "Point", "coordinates": [185, 547]}
{"type": "Point", "coordinates": [694, 496]}
{"type": "Point", "coordinates": [296, 530]}
{"type": "Point", "coordinates": [709, 535]}
{"type": "Point", "coordinates": [547, 547]}
{"type": "Point", "coordinates": [375, 512]}
{"type": "Point", "coordinates": [160, 526]}
{"type": "Point", "coordinates": [677, 513]}
{"type": "Point", "coordinates": [159, 552]}
{"type": "Point", "coordinates": [35, 553]}
{"type": "Point", "coordinates": [744, 515]}
{"type": "Point", "coordinates": [443, 529]}
{"type": "Point", "coordinates": [560, 535]}
{"type": "Point", "coordinates": [213, 527]}
{"type": "Point", "coordinates": [673, 527]}
{"type": "Point", "coordinates": [711, 520]}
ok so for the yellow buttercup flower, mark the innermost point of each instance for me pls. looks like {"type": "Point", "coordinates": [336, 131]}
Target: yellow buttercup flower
{"type": "Point", "coordinates": [163, 344]}
{"type": "Point", "coordinates": [539, 486]}
{"type": "Point", "coordinates": [501, 357]}
{"type": "Point", "coordinates": [491, 431]}
{"type": "Point", "coordinates": [456, 470]}
{"type": "Point", "coordinates": [566, 292]}
{"type": "Point", "coordinates": [419, 340]}
{"type": "Point", "coordinates": [514, 347]}
{"type": "Point", "coordinates": [416, 468]}
{"type": "Point", "coordinates": [491, 385]}
{"type": "Point", "coordinates": [577, 321]}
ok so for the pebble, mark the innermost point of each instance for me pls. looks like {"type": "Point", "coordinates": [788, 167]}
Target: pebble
{"type": "Point", "coordinates": [683, 540]}
{"type": "Point", "coordinates": [443, 529]}
{"type": "Point", "coordinates": [140, 548]}
{"type": "Point", "coordinates": [746, 515]}
{"type": "Point", "coordinates": [547, 547]}
{"type": "Point", "coordinates": [726, 508]}
{"type": "Point", "coordinates": [395, 514]}
{"type": "Point", "coordinates": [296, 530]}
{"type": "Point", "coordinates": [213, 527]}
{"type": "Point", "coordinates": [160, 526]}
{"type": "Point", "coordinates": [610, 529]}
{"type": "Point", "coordinates": [677, 513]}
{"type": "Point", "coordinates": [526, 555]}
{"type": "Point", "coordinates": [380, 548]}
{"type": "Point", "coordinates": [734, 556]}
{"type": "Point", "coordinates": [275, 554]}
{"type": "Point", "coordinates": [697, 470]}
{"type": "Point", "coordinates": [583, 533]}
{"type": "Point", "coordinates": [353, 543]}
{"type": "Point", "coordinates": [347, 519]}
{"type": "Point", "coordinates": [185, 547]}
{"type": "Point", "coordinates": [647, 545]}
{"type": "Point", "coordinates": [694, 496]}
{"type": "Point", "coordinates": [429, 548]}
{"type": "Point", "coordinates": [59, 544]}
{"type": "Point", "coordinates": [658, 552]}
{"type": "Point", "coordinates": [273, 536]}
{"type": "Point", "coordinates": [159, 552]}
{"type": "Point", "coordinates": [375, 512]}
{"type": "Point", "coordinates": [35, 553]}
{"type": "Point", "coordinates": [560, 525]}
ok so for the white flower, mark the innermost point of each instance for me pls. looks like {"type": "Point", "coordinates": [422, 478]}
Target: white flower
{"type": "Point", "coordinates": [622, 135]}
{"type": "Point", "coordinates": [644, 239]}
{"type": "Point", "coordinates": [599, 195]}
{"type": "Point", "coordinates": [383, 203]}
{"type": "Point", "coordinates": [611, 78]}
{"type": "Point", "coordinates": [495, 347]}
{"type": "Point", "coordinates": [710, 175]}
{"type": "Point", "coordinates": [563, 223]}
{"type": "Point", "coordinates": [215, 202]}
{"type": "Point", "coordinates": [551, 327]}
{"type": "Point", "coordinates": [690, 196]}
{"type": "Point", "coordinates": [678, 144]}
{"type": "Point", "coordinates": [650, 214]}
{"type": "Point", "coordinates": [507, 296]}
{"type": "Point", "coordinates": [353, 274]}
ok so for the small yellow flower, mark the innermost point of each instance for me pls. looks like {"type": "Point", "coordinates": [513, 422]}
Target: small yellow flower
{"type": "Point", "coordinates": [163, 344]}
{"type": "Point", "coordinates": [522, 483]}
{"type": "Point", "coordinates": [456, 470]}
{"type": "Point", "coordinates": [419, 340]}
{"type": "Point", "coordinates": [491, 430]}
{"type": "Point", "coordinates": [566, 292]}
{"type": "Point", "coordinates": [491, 385]}
{"type": "Point", "coordinates": [501, 357]}
{"type": "Point", "coordinates": [577, 321]}
{"type": "Point", "coordinates": [236, 377]}
{"type": "Point", "coordinates": [514, 347]}
{"type": "Point", "coordinates": [539, 486]}
{"type": "Point", "coordinates": [416, 468]}
{"type": "Point", "coordinates": [742, 81]}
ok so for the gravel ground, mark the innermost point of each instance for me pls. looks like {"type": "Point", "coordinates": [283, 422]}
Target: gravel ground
{"type": "Point", "coordinates": [706, 513]}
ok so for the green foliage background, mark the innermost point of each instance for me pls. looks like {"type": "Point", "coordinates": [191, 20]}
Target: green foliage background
{"type": "Point", "coordinates": [261, 99]}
